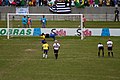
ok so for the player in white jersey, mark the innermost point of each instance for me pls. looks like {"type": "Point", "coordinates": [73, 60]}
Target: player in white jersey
{"type": "Point", "coordinates": [56, 47]}
{"type": "Point", "coordinates": [100, 48]}
{"type": "Point", "coordinates": [109, 47]}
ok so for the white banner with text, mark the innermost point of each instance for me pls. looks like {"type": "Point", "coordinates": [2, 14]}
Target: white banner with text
{"type": "Point", "coordinates": [61, 31]}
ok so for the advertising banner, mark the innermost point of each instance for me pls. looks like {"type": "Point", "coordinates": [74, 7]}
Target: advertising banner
{"type": "Point", "coordinates": [20, 10]}
{"type": "Point", "coordinates": [66, 31]}
{"type": "Point", "coordinates": [85, 31]}
{"type": "Point", "coordinates": [17, 31]}
{"type": "Point", "coordinates": [60, 31]}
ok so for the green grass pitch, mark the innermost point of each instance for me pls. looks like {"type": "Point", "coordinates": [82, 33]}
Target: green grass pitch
{"type": "Point", "coordinates": [65, 24]}
{"type": "Point", "coordinates": [21, 59]}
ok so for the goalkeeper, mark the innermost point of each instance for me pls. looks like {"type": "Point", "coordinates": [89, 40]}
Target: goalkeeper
{"type": "Point", "coordinates": [53, 35]}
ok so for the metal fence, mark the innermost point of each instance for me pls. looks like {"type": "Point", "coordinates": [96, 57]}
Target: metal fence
{"type": "Point", "coordinates": [99, 17]}
{"type": "Point", "coordinates": [89, 17]}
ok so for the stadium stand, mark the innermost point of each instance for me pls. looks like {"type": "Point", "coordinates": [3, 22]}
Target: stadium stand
{"type": "Point", "coordinates": [78, 3]}
{"type": "Point", "coordinates": [60, 7]}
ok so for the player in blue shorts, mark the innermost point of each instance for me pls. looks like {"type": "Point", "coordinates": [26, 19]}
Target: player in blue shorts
{"type": "Point", "coordinates": [45, 48]}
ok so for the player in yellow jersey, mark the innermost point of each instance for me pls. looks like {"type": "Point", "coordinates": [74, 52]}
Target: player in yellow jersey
{"type": "Point", "coordinates": [42, 37]}
{"type": "Point", "coordinates": [45, 48]}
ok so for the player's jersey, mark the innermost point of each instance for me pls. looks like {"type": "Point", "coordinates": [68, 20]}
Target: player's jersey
{"type": "Point", "coordinates": [29, 21]}
{"type": "Point", "coordinates": [43, 20]}
{"type": "Point", "coordinates": [100, 45]}
{"type": "Point", "coordinates": [24, 20]}
{"type": "Point", "coordinates": [45, 46]}
{"type": "Point", "coordinates": [109, 43]}
{"type": "Point", "coordinates": [56, 46]}
{"type": "Point", "coordinates": [116, 12]}
{"type": "Point", "coordinates": [84, 19]}
{"type": "Point", "coordinates": [43, 37]}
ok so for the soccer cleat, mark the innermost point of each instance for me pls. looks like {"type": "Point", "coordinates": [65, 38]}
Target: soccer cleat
{"type": "Point", "coordinates": [43, 55]}
{"type": "Point", "coordinates": [46, 56]}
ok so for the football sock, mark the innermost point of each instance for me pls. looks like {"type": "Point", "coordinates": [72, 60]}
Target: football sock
{"type": "Point", "coordinates": [46, 56]}
{"type": "Point", "coordinates": [56, 56]}
{"type": "Point", "coordinates": [109, 54]}
{"type": "Point", "coordinates": [98, 54]}
{"type": "Point", "coordinates": [43, 55]}
{"type": "Point", "coordinates": [112, 54]}
{"type": "Point", "coordinates": [102, 54]}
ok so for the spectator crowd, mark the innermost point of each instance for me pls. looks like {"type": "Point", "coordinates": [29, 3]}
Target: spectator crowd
{"type": "Point", "coordinates": [89, 3]}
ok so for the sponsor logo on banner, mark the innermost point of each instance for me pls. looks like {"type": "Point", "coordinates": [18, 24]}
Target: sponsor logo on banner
{"type": "Point", "coordinates": [59, 32]}
{"type": "Point", "coordinates": [17, 31]}
{"type": "Point", "coordinates": [79, 32]}
{"type": "Point", "coordinates": [87, 32]}
{"type": "Point", "coordinates": [105, 32]}
{"type": "Point", "coordinates": [37, 32]}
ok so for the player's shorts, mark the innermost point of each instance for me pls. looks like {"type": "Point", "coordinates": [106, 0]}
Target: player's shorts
{"type": "Point", "coordinates": [101, 48]}
{"type": "Point", "coordinates": [43, 41]}
{"type": "Point", "coordinates": [55, 51]}
{"type": "Point", "coordinates": [46, 51]}
{"type": "Point", "coordinates": [110, 48]}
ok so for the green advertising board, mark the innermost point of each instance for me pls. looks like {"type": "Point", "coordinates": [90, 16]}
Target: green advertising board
{"type": "Point", "coordinates": [17, 31]}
